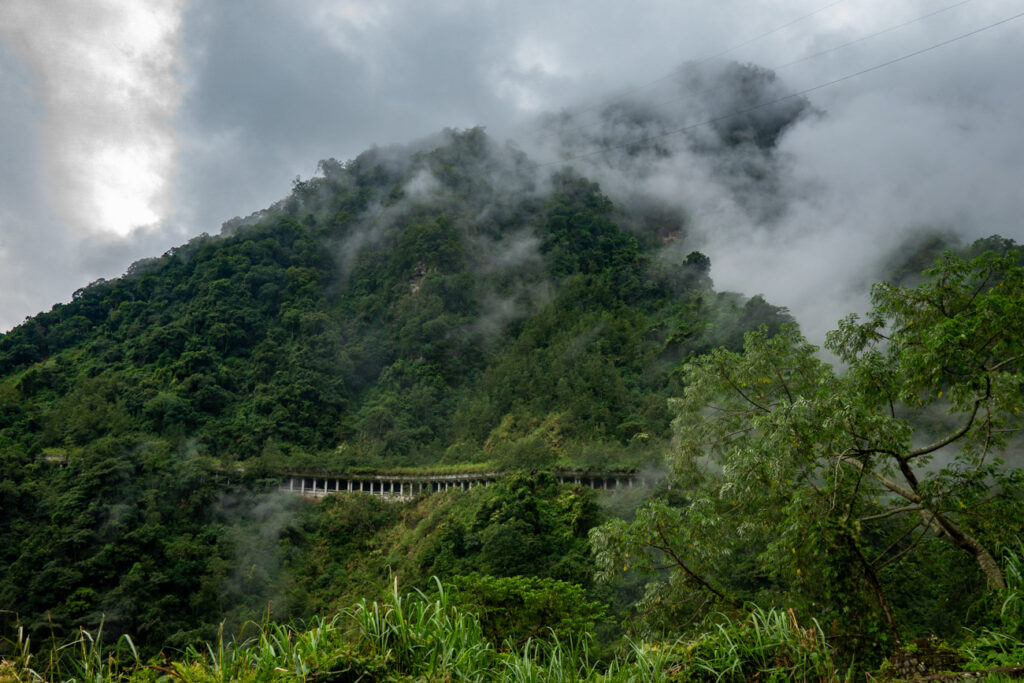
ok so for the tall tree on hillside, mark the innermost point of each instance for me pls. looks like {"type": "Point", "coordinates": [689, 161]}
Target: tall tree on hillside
{"type": "Point", "coordinates": [827, 478]}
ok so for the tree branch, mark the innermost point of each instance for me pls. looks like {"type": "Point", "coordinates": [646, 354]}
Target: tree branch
{"type": "Point", "coordinates": [889, 513]}
{"type": "Point", "coordinates": [942, 443]}
{"type": "Point", "coordinates": [667, 549]}
{"type": "Point", "coordinates": [747, 398]}
{"type": "Point", "coordinates": [886, 482]}
{"type": "Point", "coordinates": [906, 550]}
{"type": "Point", "coordinates": [1002, 363]}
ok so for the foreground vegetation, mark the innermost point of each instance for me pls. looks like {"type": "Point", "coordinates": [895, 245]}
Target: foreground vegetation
{"type": "Point", "coordinates": [439, 309]}
{"type": "Point", "coordinates": [362, 323]}
{"type": "Point", "coordinates": [790, 541]}
{"type": "Point", "coordinates": [444, 634]}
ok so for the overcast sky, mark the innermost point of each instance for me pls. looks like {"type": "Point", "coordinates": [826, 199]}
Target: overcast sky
{"type": "Point", "coordinates": [129, 126]}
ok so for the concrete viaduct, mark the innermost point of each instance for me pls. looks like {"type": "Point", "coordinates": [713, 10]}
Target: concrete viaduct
{"type": "Point", "coordinates": [406, 487]}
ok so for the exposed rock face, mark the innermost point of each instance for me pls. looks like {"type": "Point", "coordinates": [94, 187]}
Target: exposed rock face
{"type": "Point", "coordinates": [930, 660]}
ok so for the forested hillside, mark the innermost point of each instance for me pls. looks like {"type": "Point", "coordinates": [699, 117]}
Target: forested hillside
{"type": "Point", "coordinates": [413, 307]}
{"type": "Point", "coordinates": [431, 307]}
{"type": "Point", "coordinates": [450, 304]}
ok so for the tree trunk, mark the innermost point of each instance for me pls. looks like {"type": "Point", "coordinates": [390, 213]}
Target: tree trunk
{"type": "Point", "coordinates": [964, 541]}
{"type": "Point", "coordinates": [876, 588]}
{"type": "Point", "coordinates": [987, 563]}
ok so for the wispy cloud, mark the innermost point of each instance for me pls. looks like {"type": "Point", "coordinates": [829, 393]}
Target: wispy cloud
{"type": "Point", "coordinates": [107, 76]}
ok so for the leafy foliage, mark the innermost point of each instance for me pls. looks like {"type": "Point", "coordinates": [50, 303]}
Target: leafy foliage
{"type": "Point", "coordinates": [447, 306]}
{"type": "Point", "coordinates": [810, 488]}
{"type": "Point", "coordinates": [408, 308]}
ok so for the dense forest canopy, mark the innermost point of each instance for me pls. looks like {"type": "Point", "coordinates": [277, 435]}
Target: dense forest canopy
{"type": "Point", "coordinates": [395, 311]}
{"type": "Point", "coordinates": [412, 307]}
{"type": "Point", "coordinates": [451, 304]}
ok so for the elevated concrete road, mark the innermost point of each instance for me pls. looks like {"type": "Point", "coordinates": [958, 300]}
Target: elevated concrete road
{"type": "Point", "coordinates": [406, 487]}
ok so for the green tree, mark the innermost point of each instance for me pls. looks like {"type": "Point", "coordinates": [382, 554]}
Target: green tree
{"type": "Point", "coordinates": [515, 609]}
{"type": "Point", "coordinates": [806, 483]}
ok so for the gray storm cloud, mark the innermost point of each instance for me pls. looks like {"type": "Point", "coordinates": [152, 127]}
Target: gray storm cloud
{"type": "Point", "coordinates": [106, 75]}
{"type": "Point", "coordinates": [92, 89]}
{"type": "Point", "coordinates": [863, 172]}
{"type": "Point", "coordinates": [217, 106]}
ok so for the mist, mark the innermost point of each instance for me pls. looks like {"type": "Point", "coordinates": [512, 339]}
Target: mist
{"type": "Point", "coordinates": [164, 133]}
{"type": "Point", "coordinates": [800, 202]}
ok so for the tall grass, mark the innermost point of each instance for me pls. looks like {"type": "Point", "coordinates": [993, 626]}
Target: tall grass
{"type": "Point", "coordinates": [549, 660]}
{"type": "Point", "coordinates": [645, 662]}
{"type": "Point", "coordinates": [1012, 610]}
{"type": "Point", "coordinates": [770, 643]}
{"type": "Point", "coordinates": [20, 663]}
{"type": "Point", "coordinates": [421, 636]}
{"type": "Point", "coordinates": [319, 650]}
{"type": "Point", "coordinates": [1002, 646]}
{"type": "Point", "coordinates": [84, 658]}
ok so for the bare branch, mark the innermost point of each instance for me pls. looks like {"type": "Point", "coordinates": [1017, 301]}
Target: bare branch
{"type": "Point", "coordinates": [889, 513]}
{"type": "Point", "coordinates": [896, 542]}
{"type": "Point", "coordinates": [942, 443]}
{"type": "Point", "coordinates": [745, 397]}
{"type": "Point", "coordinates": [1000, 364]}
{"type": "Point", "coordinates": [885, 481]}
{"type": "Point", "coordinates": [906, 550]}
{"type": "Point", "coordinates": [785, 387]}
{"type": "Point", "coordinates": [667, 549]}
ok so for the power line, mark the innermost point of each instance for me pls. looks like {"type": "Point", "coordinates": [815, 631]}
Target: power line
{"type": "Point", "coordinates": [784, 98]}
{"type": "Point", "coordinates": [708, 90]}
{"type": "Point", "coordinates": [633, 89]}
{"type": "Point", "coordinates": [870, 35]}
{"type": "Point", "coordinates": [765, 35]}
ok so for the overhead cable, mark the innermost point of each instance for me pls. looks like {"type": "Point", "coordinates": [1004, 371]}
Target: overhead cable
{"type": "Point", "coordinates": [793, 95]}
{"type": "Point", "coordinates": [678, 98]}
{"type": "Point", "coordinates": [869, 36]}
{"type": "Point", "coordinates": [629, 91]}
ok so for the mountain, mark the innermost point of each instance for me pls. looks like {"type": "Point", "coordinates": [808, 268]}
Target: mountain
{"type": "Point", "coordinates": [458, 304]}
{"type": "Point", "coordinates": [447, 303]}
{"type": "Point", "coordinates": [442, 303]}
